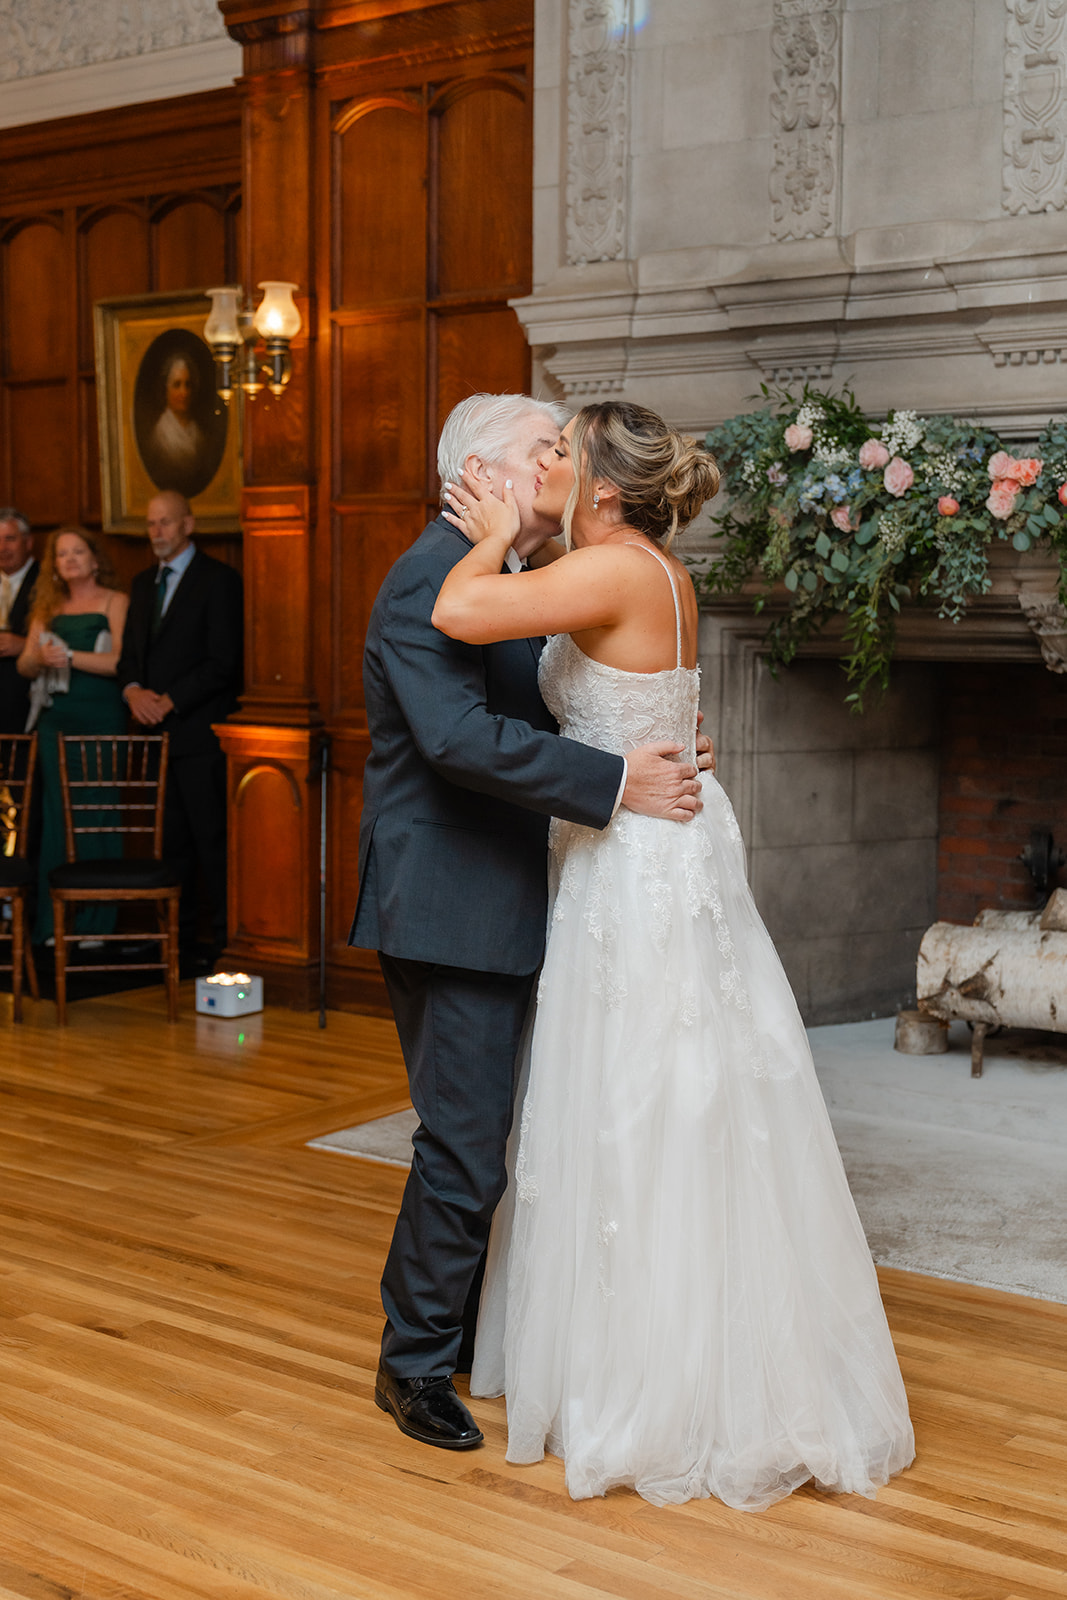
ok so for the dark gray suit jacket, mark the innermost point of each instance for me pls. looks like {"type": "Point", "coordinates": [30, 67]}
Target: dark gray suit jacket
{"type": "Point", "coordinates": [466, 768]}
{"type": "Point", "coordinates": [15, 691]}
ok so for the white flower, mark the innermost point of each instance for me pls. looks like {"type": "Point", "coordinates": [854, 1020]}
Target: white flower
{"type": "Point", "coordinates": [809, 414]}
{"type": "Point", "coordinates": [903, 433]}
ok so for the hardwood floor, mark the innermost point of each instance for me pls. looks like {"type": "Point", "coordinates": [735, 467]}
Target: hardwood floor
{"type": "Point", "coordinates": [189, 1322]}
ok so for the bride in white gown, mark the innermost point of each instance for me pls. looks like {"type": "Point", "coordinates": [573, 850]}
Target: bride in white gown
{"type": "Point", "coordinates": [679, 1296]}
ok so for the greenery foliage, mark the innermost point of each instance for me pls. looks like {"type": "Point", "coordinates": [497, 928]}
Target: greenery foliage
{"type": "Point", "coordinates": [855, 517]}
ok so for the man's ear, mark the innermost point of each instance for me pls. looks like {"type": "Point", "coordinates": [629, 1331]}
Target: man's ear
{"type": "Point", "coordinates": [476, 467]}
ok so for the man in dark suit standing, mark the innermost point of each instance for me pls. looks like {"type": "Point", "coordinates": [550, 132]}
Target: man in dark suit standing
{"type": "Point", "coordinates": [180, 671]}
{"type": "Point", "coordinates": [18, 574]}
{"type": "Point", "coordinates": [466, 768]}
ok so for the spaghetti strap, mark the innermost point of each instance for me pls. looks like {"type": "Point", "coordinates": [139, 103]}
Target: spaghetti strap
{"type": "Point", "coordinates": [674, 595]}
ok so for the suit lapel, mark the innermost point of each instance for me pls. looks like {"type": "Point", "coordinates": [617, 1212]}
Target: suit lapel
{"type": "Point", "coordinates": [182, 594]}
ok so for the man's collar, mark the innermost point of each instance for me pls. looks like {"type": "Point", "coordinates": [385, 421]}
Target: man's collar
{"type": "Point", "coordinates": [179, 562]}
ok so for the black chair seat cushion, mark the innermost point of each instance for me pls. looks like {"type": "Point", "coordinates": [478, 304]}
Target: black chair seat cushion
{"type": "Point", "coordinates": [116, 875]}
{"type": "Point", "coordinates": [16, 874]}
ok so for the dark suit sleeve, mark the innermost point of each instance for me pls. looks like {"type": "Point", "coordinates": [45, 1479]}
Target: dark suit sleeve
{"type": "Point", "coordinates": [439, 684]}
{"type": "Point", "coordinates": [218, 668]}
{"type": "Point", "coordinates": [130, 667]}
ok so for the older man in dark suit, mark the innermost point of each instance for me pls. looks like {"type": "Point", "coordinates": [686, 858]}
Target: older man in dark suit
{"type": "Point", "coordinates": [466, 768]}
{"type": "Point", "coordinates": [180, 671]}
{"type": "Point", "coordinates": [18, 574]}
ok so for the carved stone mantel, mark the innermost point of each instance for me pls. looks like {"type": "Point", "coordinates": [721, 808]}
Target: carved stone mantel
{"type": "Point", "coordinates": [1019, 619]}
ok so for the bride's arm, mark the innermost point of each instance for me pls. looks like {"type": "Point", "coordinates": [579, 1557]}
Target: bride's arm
{"type": "Point", "coordinates": [479, 604]}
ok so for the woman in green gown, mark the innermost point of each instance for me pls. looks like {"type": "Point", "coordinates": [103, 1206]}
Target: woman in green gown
{"type": "Point", "coordinates": [76, 623]}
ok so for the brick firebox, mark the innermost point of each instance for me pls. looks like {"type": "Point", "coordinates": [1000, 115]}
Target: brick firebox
{"type": "Point", "coordinates": [1003, 772]}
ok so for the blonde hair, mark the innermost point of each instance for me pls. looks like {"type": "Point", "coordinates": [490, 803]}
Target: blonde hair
{"type": "Point", "coordinates": [50, 591]}
{"type": "Point", "coordinates": [663, 477]}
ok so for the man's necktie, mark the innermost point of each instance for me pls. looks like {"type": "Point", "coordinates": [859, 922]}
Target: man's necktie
{"type": "Point", "coordinates": [165, 574]}
{"type": "Point", "coordinates": [5, 599]}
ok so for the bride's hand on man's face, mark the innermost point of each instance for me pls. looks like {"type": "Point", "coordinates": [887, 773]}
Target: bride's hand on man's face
{"type": "Point", "coordinates": [477, 512]}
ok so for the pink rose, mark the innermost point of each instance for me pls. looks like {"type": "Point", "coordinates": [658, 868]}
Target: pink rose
{"type": "Point", "coordinates": [948, 506]}
{"type": "Point", "coordinates": [873, 454]}
{"type": "Point", "coordinates": [798, 436]}
{"type": "Point", "coordinates": [898, 477]}
{"type": "Point", "coordinates": [841, 517]}
{"type": "Point", "coordinates": [1000, 465]}
{"type": "Point", "coordinates": [1061, 494]}
{"type": "Point", "coordinates": [1027, 471]}
{"type": "Point", "coordinates": [1001, 502]}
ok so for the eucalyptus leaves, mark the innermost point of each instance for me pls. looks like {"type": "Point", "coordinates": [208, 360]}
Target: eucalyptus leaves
{"type": "Point", "coordinates": [856, 517]}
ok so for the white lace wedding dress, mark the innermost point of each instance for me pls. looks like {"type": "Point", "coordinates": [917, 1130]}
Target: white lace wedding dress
{"type": "Point", "coordinates": [679, 1295]}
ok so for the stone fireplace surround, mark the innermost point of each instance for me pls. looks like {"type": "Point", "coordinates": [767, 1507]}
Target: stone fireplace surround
{"type": "Point", "coordinates": [864, 829]}
{"type": "Point", "coordinates": [862, 192]}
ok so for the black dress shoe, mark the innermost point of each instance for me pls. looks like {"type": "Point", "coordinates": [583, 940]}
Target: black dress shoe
{"type": "Point", "coordinates": [427, 1409]}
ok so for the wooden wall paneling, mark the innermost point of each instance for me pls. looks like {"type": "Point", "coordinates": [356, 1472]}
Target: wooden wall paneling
{"type": "Point", "coordinates": [480, 349]}
{"type": "Point", "coordinates": [273, 822]}
{"type": "Point", "coordinates": [94, 181]}
{"type": "Point", "coordinates": [482, 147]}
{"type": "Point", "coordinates": [379, 199]}
{"type": "Point", "coordinates": [367, 540]}
{"type": "Point", "coordinates": [186, 143]}
{"type": "Point", "coordinates": [188, 241]}
{"type": "Point", "coordinates": [37, 300]}
{"type": "Point", "coordinates": [381, 403]}
{"type": "Point", "coordinates": [276, 523]}
{"type": "Point", "coordinates": [402, 314]}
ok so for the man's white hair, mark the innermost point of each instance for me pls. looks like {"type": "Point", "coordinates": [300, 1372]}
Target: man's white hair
{"type": "Point", "coordinates": [484, 425]}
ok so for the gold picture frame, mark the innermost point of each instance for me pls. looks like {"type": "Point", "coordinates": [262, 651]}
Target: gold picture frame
{"type": "Point", "coordinates": [162, 424]}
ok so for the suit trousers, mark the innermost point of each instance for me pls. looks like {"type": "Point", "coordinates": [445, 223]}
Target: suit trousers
{"type": "Point", "coordinates": [194, 833]}
{"type": "Point", "coordinates": [460, 1033]}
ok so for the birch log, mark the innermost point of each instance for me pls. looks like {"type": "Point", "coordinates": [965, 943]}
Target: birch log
{"type": "Point", "coordinates": [1005, 971]}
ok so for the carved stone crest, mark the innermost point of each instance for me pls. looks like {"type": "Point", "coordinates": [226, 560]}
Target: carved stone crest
{"type": "Point", "coordinates": [1035, 106]}
{"type": "Point", "coordinates": [597, 106]}
{"type": "Point", "coordinates": [806, 42]}
{"type": "Point", "coordinates": [1048, 621]}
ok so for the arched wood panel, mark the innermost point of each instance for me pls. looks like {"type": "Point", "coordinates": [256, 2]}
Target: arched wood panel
{"type": "Point", "coordinates": [113, 259]}
{"type": "Point", "coordinates": [265, 836]}
{"type": "Point", "coordinates": [380, 184]}
{"type": "Point", "coordinates": [483, 167]}
{"type": "Point", "coordinates": [189, 246]}
{"type": "Point", "coordinates": [38, 318]}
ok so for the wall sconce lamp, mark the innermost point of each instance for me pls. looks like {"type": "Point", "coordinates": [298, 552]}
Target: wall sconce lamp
{"type": "Point", "coordinates": [233, 330]}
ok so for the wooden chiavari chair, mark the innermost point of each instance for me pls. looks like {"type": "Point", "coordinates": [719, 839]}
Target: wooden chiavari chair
{"type": "Point", "coordinates": [114, 785]}
{"type": "Point", "coordinates": [18, 760]}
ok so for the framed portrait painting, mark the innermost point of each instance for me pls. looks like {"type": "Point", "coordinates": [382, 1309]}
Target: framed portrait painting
{"type": "Point", "coordinates": [162, 424]}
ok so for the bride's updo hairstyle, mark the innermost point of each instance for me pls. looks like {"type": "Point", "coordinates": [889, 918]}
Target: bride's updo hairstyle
{"type": "Point", "coordinates": [663, 477]}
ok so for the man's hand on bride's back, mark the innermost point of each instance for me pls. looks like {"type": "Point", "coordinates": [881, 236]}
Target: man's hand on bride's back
{"type": "Point", "coordinates": [658, 785]}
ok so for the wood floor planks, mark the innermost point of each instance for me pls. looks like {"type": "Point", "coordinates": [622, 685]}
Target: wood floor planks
{"type": "Point", "coordinates": [189, 1322]}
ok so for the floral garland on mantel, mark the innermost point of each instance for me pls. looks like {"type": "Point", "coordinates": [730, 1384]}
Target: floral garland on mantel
{"type": "Point", "coordinates": [855, 517]}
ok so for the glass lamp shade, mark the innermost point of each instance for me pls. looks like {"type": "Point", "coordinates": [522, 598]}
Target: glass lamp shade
{"type": "Point", "coordinates": [277, 317]}
{"type": "Point", "coordinates": [221, 326]}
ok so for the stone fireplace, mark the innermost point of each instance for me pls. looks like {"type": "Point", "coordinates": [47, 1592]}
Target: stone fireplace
{"type": "Point", "coordinates": [869, 193]}
{"type": "Point", "coordinates": [864, 829]}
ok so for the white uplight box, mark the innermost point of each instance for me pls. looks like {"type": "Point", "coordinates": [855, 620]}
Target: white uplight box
{"type": "Point", "coordinates": [229, 994]}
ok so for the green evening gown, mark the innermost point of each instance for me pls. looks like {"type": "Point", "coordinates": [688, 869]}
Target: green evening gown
{"type": "Point", "coordinates": [91, 705]}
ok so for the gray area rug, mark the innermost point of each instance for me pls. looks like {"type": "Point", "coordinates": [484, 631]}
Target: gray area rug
{"type": "Point", "coordinates": [961, 1178]}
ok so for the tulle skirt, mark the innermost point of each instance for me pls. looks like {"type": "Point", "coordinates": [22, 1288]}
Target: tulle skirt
{"type": "Point", "coordinates": [679, 1295]}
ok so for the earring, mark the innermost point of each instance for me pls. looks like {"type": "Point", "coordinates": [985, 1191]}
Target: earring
{"type": "Point", "coordinates": [596, 501]}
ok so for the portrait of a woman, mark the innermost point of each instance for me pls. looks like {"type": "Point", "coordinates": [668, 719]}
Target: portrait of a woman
{"type": "Point", "coordinates": [179, 425]}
